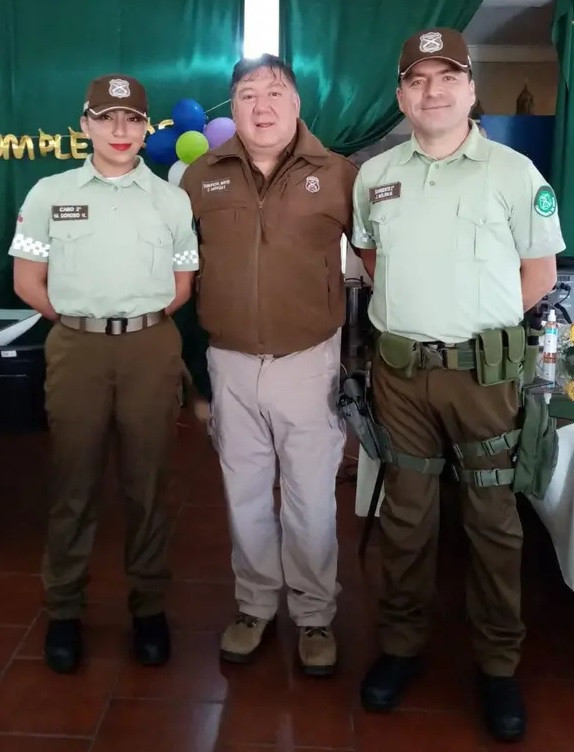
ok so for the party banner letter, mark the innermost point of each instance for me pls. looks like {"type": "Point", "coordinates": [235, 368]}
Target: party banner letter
{"type": "Point", "coordinates": [78, 144]}
{"type": "Point", "coordinates": [11, 142]}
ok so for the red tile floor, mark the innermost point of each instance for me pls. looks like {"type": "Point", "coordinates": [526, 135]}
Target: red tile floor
{"type": "Point", "coordinates": [194, 704]}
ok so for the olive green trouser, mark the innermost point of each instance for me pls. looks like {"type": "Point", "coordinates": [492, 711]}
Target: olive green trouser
{"type": "Point", "coordinates": [425, 416]}
{"type": "Point", "coordinates": [96, 384]}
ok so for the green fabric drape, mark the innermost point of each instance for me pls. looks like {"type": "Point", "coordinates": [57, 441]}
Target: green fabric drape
{"type": "Point", "coordinates": [345, 55]}
{"type": "Point", "coordinates": [563, 151]}
{"type": "Point", "coordinates": [49, 53]}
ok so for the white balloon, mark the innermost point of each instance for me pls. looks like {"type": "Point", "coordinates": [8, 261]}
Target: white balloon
{"type": "Point", "coordinates": [176, 171]}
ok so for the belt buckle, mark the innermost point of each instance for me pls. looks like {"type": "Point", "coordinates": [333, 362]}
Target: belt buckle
{"type": "Point", "coordinates": [432, 355]}
{"type": "Point", "coordinates": [487, 478]}
{"type": "Point", "coordinates": [116, 325]}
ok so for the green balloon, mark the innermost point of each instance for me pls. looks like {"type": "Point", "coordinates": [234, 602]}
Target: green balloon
{"type": "Point", "coordinates": [191, 145]}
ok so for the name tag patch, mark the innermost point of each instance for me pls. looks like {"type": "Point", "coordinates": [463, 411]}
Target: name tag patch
{"type": "Point", "coordinates": [216, 186]}
{"type": "Point", "coordinates": [69, 212]}
{"type": "Point", "coordinates": [384, 192]}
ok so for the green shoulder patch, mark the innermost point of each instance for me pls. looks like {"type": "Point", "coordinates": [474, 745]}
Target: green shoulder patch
{"type": "Point", "coordinates": [545, 201]}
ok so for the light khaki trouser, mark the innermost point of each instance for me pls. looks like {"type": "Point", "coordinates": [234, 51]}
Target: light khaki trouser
{"type": "Point", "coordinates": [266, 408]}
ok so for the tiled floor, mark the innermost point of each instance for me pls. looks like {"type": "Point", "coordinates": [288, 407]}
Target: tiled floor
{"type": "Point", "coordinates": [197, 705]}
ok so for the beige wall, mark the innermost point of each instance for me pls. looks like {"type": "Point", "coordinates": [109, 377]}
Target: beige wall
{"type": "Point", "coordinates": [499, 84]}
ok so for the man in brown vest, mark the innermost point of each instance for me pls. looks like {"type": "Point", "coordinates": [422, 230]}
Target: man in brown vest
{"type": "Point", "coordinates": [271, 205]}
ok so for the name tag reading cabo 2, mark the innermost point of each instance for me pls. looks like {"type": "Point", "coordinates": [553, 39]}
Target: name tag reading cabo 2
{"type": "Point", "coordinates": [69, 212]}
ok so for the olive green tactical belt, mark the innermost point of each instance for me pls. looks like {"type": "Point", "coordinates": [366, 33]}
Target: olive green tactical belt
{"type": "Point", "coordinates": [386, 452]}
{"type": "Point", "coordinates": [482, 478]}
{"type": "Point", "coordinates": [462, 357]}
{"type": "Point", "coordinates": [425, 466]}
{"type": "Point", "coordinates": [496, 356]}
{"type": "Point", "coordinates": [458, 357]}
{"type": "Point", "coordinates": [487, 448]}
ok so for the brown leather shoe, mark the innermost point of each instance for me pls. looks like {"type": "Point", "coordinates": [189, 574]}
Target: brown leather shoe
{"type": "Point", "coordinates": [317, 650]}
{"type": "Point", "coordinates": [242, 638]}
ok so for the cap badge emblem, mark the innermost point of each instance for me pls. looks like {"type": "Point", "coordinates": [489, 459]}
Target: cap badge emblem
{"type": "Point", "coordinates": [120, 88]}
{"type": "Point", "coordinates": [431, 42]}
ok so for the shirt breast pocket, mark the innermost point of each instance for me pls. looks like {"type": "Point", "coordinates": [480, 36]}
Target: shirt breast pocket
{"type": "Point", "coordinates": [384, 217]}
{"type": "Point", "coordinates": [481, 226]}
{"type": "Point", "coordinates": [70, 242]}
{"type": "Point", "coordinates": [156, 243]}
{"type": "Point", "coordinates": [219, 222]}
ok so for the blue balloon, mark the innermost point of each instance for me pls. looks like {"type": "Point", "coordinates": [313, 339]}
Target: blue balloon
{"type": "Point", "coordinates": [188, 115]}
{"type": "Point", "coordinates": [160, 146]}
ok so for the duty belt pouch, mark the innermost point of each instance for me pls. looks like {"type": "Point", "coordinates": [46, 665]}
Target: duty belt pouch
{"type": "Point", "coordinates": [531, 353]}
{"type": "Point", "coordinates": [399, 353]}
{"type": "Point", "coordinates": [514, 343]}
{"type": "Point", "coordinates": [537, 452]}
{"type": "Point", "coordinates": [489, 357]}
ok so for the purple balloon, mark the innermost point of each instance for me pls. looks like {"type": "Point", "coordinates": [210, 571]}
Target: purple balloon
{"type": "Point", "coordinates": [218, 131]}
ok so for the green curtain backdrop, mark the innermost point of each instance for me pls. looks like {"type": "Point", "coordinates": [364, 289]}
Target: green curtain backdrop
{"type": "Point", "coordinates": [49, 52]}
{"type": "Point", "coordinates": [563, 154]}
{"type": "Point", "coordinates": [345, 56]}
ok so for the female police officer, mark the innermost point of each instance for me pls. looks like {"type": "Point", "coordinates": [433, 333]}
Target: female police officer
{"type": "Point", "coordinates": [107, 252]}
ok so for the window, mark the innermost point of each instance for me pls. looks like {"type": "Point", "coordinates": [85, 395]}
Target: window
{"type": "Point", "coordinates": [261, 28]}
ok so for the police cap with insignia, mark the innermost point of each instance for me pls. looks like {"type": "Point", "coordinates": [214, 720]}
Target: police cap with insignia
{"type": "Point", "coordinates": [115, 92]}
{"type": "Point", "coordinates": [441, 43]}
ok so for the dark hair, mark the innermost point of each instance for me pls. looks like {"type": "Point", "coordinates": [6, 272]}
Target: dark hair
{"type": "Point", "coordinates": [247, 65]}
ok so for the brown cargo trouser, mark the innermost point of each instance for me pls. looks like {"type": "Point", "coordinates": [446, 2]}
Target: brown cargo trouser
{"type": "Point", "coordinates": [425, 416]}
{"type": "Point", "coordinates": [96, 383]}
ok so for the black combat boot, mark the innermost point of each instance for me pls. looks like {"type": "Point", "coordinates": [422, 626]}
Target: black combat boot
{"type": "Point", "coordinates": [63, 646]}
{"type": "Point", "coordinates": [151, 639]}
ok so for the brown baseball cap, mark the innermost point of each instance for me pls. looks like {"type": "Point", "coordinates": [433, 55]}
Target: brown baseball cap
{"type": "Point", "coordinates": [115, 92]}
{"type": "Point", "coordinates": [442, 43]}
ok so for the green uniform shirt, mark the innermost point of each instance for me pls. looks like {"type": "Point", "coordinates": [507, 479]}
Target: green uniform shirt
{"type": "Point", "coordinates": [450, 235]}
{"type": "Point", "coordinates": [112, 244]}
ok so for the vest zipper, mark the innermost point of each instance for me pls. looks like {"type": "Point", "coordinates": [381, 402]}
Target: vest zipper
{"type": "Point", "coordinates": [258, 238]}
{"type": "Point", "coordinates": [259, 234]}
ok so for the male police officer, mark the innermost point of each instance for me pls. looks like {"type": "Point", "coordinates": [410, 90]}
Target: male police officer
{"type": "Point", "coordinates": [107, 252]}
{"type": "Point", "coordinates": [460, 236]}
{"type": "Point", "coordinates": [271, 206]}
